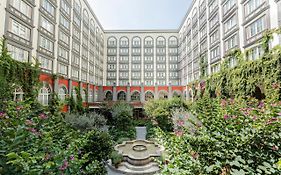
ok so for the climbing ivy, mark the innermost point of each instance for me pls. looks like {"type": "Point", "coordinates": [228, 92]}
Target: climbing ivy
{"type": "Point", "coordinates": [247, 76]}
{"type": "Point", "coordinates": [15, 74]}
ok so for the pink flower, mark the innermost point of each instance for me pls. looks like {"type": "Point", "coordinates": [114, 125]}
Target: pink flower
{"type": "Point", "coordinates": [223, 103]}
{"type": "Point", "coordinates": [71, 157]}
{"type": "Point", "coordinates": [179, 133]}
{"type": "Point", "coordinates": [255, 118]}
{"type": "Point", "coordinates": [279, 113]}
{"type": "Point", "coordinates": [273, 104]}
{"type": "Point", "coordinates": [29, 123]}
{"type": "Point", "coordinates": [33, 130]}
{"type": "Point", "coordinates": [2, 114]}
{"type": "Point", "coordinates": [261, 104]}
{"type": "Point", "coordinates": [43, 116]}
{"type": "Point", "coordinates": [275, 148]}
{"type": "Point", "coordinates": [64, 165]}
{"type": "Point", "coordinates": [225, 117]}
{"type": "Point", "coordinates": [180, 123]}
{"type": "Point", "coordinates": [234, 117]}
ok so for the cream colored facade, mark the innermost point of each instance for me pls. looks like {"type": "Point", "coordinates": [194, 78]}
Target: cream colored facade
{"type": "Point", "coordinates": [67, 38]}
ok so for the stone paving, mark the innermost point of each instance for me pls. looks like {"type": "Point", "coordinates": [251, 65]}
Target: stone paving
{"type": "Point", "coordinates": [140, 135]}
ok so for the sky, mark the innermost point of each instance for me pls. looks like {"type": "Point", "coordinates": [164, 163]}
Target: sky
{"type": "Point", "coordinates": [140, 14]}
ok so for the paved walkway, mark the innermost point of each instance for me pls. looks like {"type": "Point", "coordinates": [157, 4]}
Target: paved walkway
{"type": "Point", "coordinates": [140, 135]}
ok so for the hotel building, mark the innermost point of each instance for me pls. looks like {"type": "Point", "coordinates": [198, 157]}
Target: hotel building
{"type": "Point", "coordinates": [131, 65]}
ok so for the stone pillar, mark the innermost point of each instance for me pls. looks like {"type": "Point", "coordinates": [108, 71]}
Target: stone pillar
{"type": "Point", "coordinates": [114, 93]}
{"type": "Point", "coordinates": [69, 91]}
{"type": "Point", "coordinates": [170, 93]}
{"type": "Point", "coordinates": [128, 96]}
{"type": "Point", "coordinates": [69, 87]}
{"type": "Point", "coordinates": [100, 93]}
{"type": "Point", "coordinates": [156, 95]}
{"type": "Point", "coordinates": [88, 91]}
{"type": "Point", "coordinates": [142, 94]}
{"type": "Point", "coordinates": [56, 84]}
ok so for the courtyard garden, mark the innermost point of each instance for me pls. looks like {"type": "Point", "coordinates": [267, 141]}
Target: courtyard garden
{"type": "Point", "coordinates": [230, 125]}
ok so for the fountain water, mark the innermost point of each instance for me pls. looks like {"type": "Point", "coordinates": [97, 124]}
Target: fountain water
{"type": "Point", "coordinates": [138, 156]}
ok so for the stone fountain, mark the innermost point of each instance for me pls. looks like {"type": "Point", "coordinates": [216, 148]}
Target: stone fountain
{"type": "Point", "coordinates": [138, 157]}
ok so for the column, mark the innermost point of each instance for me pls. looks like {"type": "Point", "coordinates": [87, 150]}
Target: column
{"type": "Point", "coordinates": [142, 94]}
{"type": "Point", "coordinates": [170, 94]}
{"type": "Point", "coordinates": [100, 93]}
{"type": "Point", "coordinates": [56, 84]}
{"type": "Point", "coordinates": [114, 93]}
{"type": "Point", "coordinates": [156, 96]}
{"type": "Point", "coordinates": [128, 96]}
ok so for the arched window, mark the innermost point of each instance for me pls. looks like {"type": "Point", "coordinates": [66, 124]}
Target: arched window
{"type": "Point", "coordinates": [173, 41]}
{"type": "Point", "coordinates": [136, 42]}
{"type": "Point", "coordinates": [77, 6]}
{"type": "Point", "coordinates": [86, 17]}
{"type": "Point", "coordinates": [92, 26]}
{"type": "Point", "coordinates": [148, 41]}
{"type": "Point", "coordinates": [44, 95]}
{"type": "Point", "coordinates": [163, 95]}
{"type": "Point", "coordinates": [18, 94]}
{"type": "Point", "coordinates": [112, 41]}
{"type": "Point", "coordinates": [91, 96]}
{"type": "Point", "coordinates": [83, 95]}
{"type": "Point", "coordinates": [108, 96]}
{"type": "Point", "coordinates": [149, 95]}
{"type": "Point", "coordinates": [121, 96]}
{"type": "Point", "coordinates": [176, 94]}
{"type": "Point", "coordinates": [124, 41]}
{"type": "Point", "coordinates": [74, 94]}
{"type": "Point", "coordinates": [135, 96]}
{"type": "Point", "coordinates": [62, 93]}
{"type": "Point", "coordinates": [161, 41]}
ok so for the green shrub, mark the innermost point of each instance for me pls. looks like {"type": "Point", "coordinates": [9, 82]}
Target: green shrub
{"type": "Point", "coordinates": [86, 122]}
{"type": "Point", "coordinates": [122, 114]}
{"type": "Point", "coordinates": [160, 111]}
{"type": "Point", "coordinates": [116, 158]}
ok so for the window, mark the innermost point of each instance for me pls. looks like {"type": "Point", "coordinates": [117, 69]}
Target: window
{"type": "Point", "coordinates": [46, 43]}
{"type": "Point", "coordinates": [148, 67]}
{"type": "Point", "coordinates": [214, 21]}
{"type": "Point", "coordinates": [215, 68]}
{"type": "Point", "coordinates": [75, 73]}
{"type": "Point", "coordinates": [18, 53]}
{"type": "Point", "coordinates": [83, 95]}
{"type": "Point", "coordinates": [76, 32]}
{"type": "Point", "coordinates": [148, 96]}
{"type": "Point", "coordinates": [75, 59]}
{"type": "Point", "coordinates": [22, 7]}
{"type": "Point", "coordinates": [255, 53]}
{"type": "Point", "coordinates": [48, 7]}
{"type": "Point", "coordinates": [215, 53]}
{"type": "Point", "coordinates": [46, 63]}
{"type": "Point", "coordinates": [124, 74]}
{"type": "Point", "coordinates": [63, 53]}
{"type": "Point", "coordinates": [229, 24]}
{"type": "Point", "coordinates": [76, 20]}
{"type": "Point", "coordinates": [124, 66]}
{"type": "Point", "coordinates": [149, 83]}
{"type": "Point", "coordinates": [161, 74]}
{"type": "Point", "coordinates": [163, 95]}
{"type": "Point", "coordinates": [124, 58]}
{"type": "Point", "coordinates": [256, 27]}
{"type": "Point", "coordinates": [64, 22]}
{"type": "Point", "coordinates": [136, 75]}
{"type": "Point", "coordinates": [108, 96]}
{"type": "Point", "coordinates": [111, 66]}
{"type": "Point", "coordinates": [111, 58]}
{"type": "Point", "coordinates": [20, 30]}
{"type": "Point", "coordinates": [212, 6]}
{"type": "Point", "coordinates": [77, 6]}
{"type": "Point", "coordinates": [84, 76]}
{"type": "Point", "coordinates": [136, 66]}
{"type": "Point", "coordinates": [135, 96]}
{"type": "Point", "coordinates": [252, 5]}
{"type": "Point", "coordinates": [44, 95]}
{"type": "Point", "coordinates": [47, 25]}
{"type": "Point", "coordinates": [62, 93]}
{"type": "Point", "coordinates": [228, 5]}
{"type": "Point", "coordinates": [136, 58]}
{"type": "Point", "coordinates": [148, 58]}
{"type": "Point", "coordinates": [148, 74]}
{"type": "Point", "coordinates": [121, 96]}
{"type": "Point", "coordinates": [173, 58]}
{"type": "Point", "coordinates": [111, 74]}
{"type": "Point", "coordinates": [18, 94]}
{"type": "Point", "coordinates": [63, 37]}
{"type": "Point", "coordinates": [231, 43]}
{"type": "Point", "coordinates": [76, 46]}
{"type": "Point", "coordinates": [91, 96]}
{"type": "Point", "coordinates": [65, 7]}
{"type": "Point", "coordinates": [63, 69]}
{"type": "Point", "coordinates": [214, 37]}
{"type": "Point", "coordinates": [74, 93]}
{"type": "Point", "coordinates": [136, 82]}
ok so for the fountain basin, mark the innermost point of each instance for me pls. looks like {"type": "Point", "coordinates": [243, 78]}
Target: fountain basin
{"type": "Point", "coordinates": [139, 152]}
